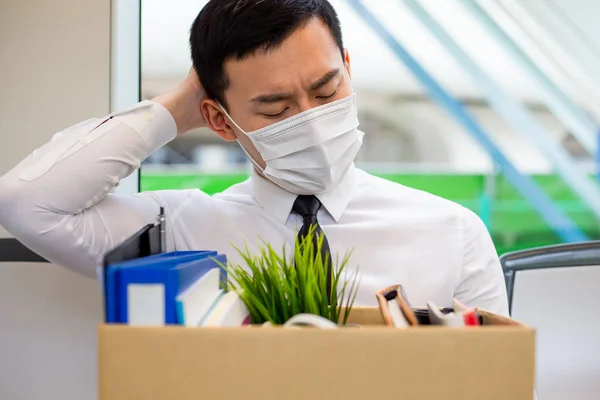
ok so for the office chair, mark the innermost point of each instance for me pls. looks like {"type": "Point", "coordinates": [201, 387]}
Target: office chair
{"type": "Point", "coordinates": [558, 295]}
{"type": "Point", "coordinates": [557, 256]}
{"type": "Point", "coordinates": [11, 250]}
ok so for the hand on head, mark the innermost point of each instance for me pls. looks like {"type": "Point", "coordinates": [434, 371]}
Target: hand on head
{"type": "Point", "coordinates": [183, 102]}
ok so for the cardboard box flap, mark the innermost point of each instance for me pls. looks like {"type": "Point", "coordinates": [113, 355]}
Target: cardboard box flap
{"type": "Point", "coordinates": [372, 316]}
{"type": "Point", "coordinates": [493, 319]}
{"type": "Point", "coordinates": [365, 316]}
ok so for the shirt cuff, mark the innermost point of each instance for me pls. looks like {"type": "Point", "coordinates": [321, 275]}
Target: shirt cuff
{"type": "Point", "coordinates": [152, 121]}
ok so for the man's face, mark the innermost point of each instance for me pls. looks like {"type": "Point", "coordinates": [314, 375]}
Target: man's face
{"type": "Point", "coordinates": [304, 72]}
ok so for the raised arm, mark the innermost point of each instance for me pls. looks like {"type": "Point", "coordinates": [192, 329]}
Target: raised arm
{"type": "Point", "coordinates": [58, 200]}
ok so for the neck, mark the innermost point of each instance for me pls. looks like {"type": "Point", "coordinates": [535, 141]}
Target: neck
{"type": "Point", "coordinates": [258, 171]}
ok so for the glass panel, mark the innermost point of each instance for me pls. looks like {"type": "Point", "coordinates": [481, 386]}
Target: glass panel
{"type": "Point", "coordinates": [409, 139]}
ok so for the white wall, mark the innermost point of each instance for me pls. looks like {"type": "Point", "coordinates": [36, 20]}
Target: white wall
{"type": "Point", "coordinates": [54, 71]}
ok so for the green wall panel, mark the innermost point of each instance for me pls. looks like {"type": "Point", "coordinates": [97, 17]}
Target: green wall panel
{"type": "Point", "coordinates": [513, 223]}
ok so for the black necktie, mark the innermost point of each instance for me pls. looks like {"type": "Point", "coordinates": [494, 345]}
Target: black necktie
{"type": "Point", "coordinates": [308, 207]}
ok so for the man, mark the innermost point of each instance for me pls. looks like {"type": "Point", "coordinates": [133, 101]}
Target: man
{"type": "Point", "coordinates": [274, 76]}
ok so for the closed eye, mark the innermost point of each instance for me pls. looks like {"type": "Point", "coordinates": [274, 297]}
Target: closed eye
{"type": "Point", "coordinates": [276, 115]}
{"type": "Point", "coordinates": [329, 96]}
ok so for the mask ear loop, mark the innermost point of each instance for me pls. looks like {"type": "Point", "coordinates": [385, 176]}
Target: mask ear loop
{"type": "Point", "coordinates": [231, 119]}
{"type": "Point", "coordinates": [261, 169]}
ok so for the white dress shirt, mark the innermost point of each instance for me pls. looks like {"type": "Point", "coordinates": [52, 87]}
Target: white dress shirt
{"type": "Point", "coordinates": [58, 201]}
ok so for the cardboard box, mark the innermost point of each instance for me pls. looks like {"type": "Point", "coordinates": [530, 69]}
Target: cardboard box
{"type": "Point", "coordinates": [493, 362]}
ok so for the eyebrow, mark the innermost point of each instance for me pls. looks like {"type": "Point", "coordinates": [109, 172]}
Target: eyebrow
{"type": "Point", "coordinates": [277, 97]}
{"type": "Point", "coordinates": [325, 79]}
{"type": "Point", "coordinates": [272, 98]}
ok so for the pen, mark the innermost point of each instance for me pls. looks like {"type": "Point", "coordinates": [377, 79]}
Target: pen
{"type": "Point", "coordinates": [162, 221]}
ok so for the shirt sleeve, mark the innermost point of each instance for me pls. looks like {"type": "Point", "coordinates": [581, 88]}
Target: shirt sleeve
{"type": "Point", "coordinates": [58, 200]}
{"type": "Point", "coordinates": [482, 282]}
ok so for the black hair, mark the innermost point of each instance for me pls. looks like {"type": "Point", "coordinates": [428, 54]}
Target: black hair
{"type": "Point", "coordinates": [235, 29]}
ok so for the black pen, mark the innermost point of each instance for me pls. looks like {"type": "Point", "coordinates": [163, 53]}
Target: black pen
{"type": "Point", "coordinates": [162, 221]}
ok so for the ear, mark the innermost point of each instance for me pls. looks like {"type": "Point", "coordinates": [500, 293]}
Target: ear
{"type": "Point", "coordinates": [217, 120]}
{"type": "Point", "coordinates": [347, 62]}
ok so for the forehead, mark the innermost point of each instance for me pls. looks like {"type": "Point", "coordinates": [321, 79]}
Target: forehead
{"type": "Point", "coordinates": [304, 57]}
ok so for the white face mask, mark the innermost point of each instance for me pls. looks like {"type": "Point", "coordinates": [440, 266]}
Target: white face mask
{"type": "Point", "coordinates": [311, 152]}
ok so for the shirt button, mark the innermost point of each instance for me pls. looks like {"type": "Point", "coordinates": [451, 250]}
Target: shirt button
{"type": "Point", "coordinates": [85, 140]}
{"type": "Point", "coordinates": [148, 116]}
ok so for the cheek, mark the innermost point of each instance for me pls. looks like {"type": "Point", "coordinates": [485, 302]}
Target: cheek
{"type": "Point", "coordinates": [256, 123]}
{"type": "Point", "coordinates": [345, 91]}
{"type": "Point", "coordinates": [248, 121]}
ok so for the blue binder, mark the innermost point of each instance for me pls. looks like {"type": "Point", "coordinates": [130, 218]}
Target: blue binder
{"type": "Point", "coordinates": [147, 241]}
{"type": "Point", "coordinates": [175, 271]}
{"type": "Point", "coordinates": [111, 296]}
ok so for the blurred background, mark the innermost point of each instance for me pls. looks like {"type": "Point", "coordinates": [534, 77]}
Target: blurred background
{"type": "Point", "coordinates": [491, 103]}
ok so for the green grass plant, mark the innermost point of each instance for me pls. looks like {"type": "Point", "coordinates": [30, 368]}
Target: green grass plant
{"type": "Point", "coordinates": [276, 287]}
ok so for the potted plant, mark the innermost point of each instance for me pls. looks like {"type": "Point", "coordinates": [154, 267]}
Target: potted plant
{"type": "Point", "coordinates": [276, 287]}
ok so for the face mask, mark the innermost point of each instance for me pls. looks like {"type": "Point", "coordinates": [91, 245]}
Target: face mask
{"type": "Point", "coordinates": [311, 152]}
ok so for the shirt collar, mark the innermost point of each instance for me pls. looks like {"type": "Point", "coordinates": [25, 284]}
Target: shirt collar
{"type": "Point", "coordinates": [279, 202]}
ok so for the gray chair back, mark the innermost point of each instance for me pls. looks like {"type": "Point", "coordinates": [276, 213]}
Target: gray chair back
{"type": "Point", "coordinates": [556, 290]}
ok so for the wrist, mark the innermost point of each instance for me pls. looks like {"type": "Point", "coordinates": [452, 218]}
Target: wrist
{"type": "Point", "coordinates": [184, 102]}
{"type": "Point", "coordinates": [174, 103]}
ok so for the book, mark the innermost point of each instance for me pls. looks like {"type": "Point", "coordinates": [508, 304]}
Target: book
{"type": "Point", "coordinates": [112, 272]}
{"type": "Point", "coordinates": [397, 312]}
{"type": "Point", "coordinates": [195, 302]}
{"type": "Point", "coordinates": [145, 242]}
{"type": "Point", "coordinates": [395, 307]}
{"type": "Point", "coordinates": [228, 311]}
{"type": "Point", "coordinates": [146, 291]}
